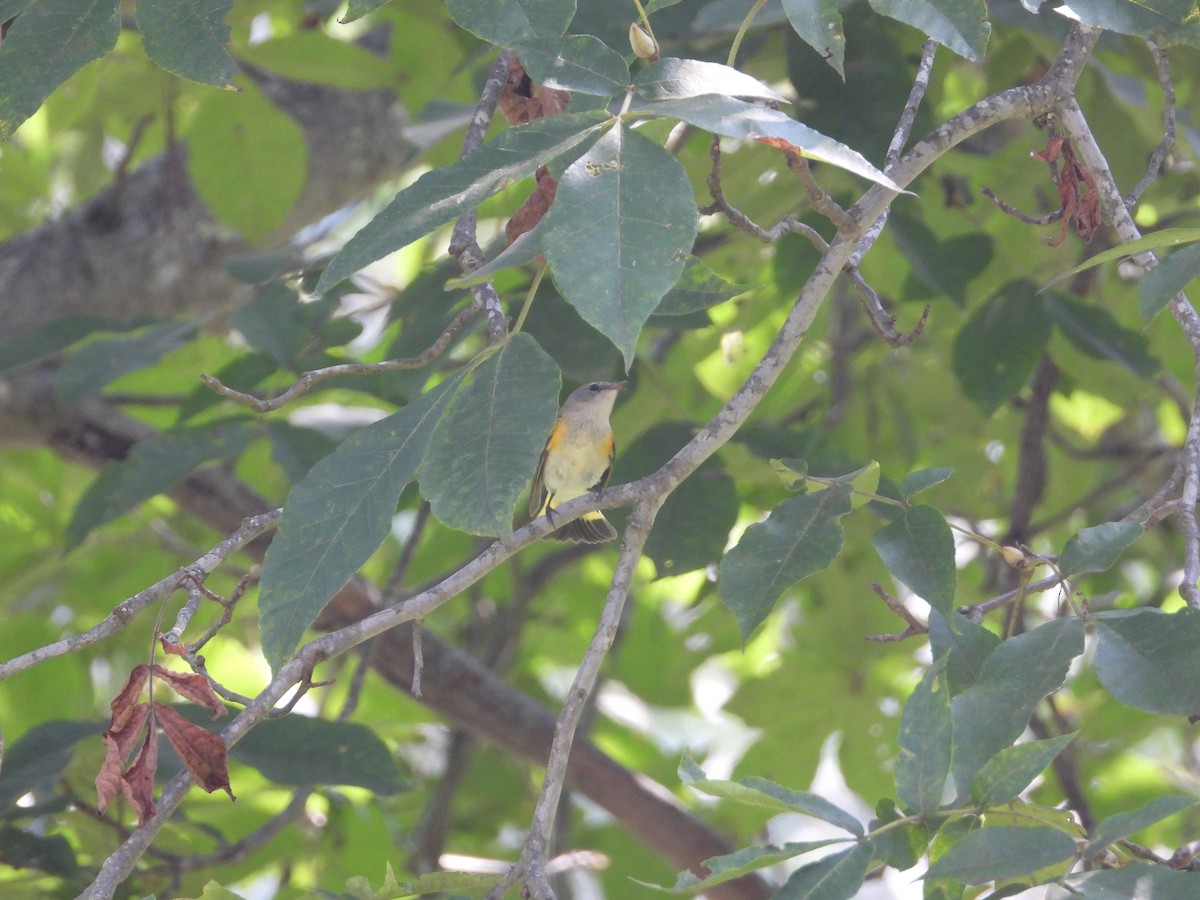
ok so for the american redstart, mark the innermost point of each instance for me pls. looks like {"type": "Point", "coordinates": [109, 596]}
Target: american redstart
{"type": "Point", "coordinates": [578, 458]}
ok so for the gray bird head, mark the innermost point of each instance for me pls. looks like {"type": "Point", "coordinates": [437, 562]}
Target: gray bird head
{"type": "Point", "coordinates": [597, 397]}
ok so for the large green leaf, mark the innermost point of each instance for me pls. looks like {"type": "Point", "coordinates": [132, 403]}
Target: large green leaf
{"type": "Point", "coordinates": [925, 732]}
{"type": "Point", "coordinates": [1095, 332]}
{"type": "Point", "coordinates": [819, 24]}
{"type": "Point", "coordinates": [733, 865]}
{"type": "Point", "coordinates": [38, 759]}
{"type": "Point", "coordinates": [1147, 658]}
{"type": "Point", "coordinates": [484, 450]}
{"type": "Point", "coordinates": [961, 25]}
{"type": "Point", "coordinates": [996, 350]}
{"type": "Point", "coordinates": [991, 714]}
{"type": "Point", "coordinates": [630, 203]}
{"type": "Point", "coordinates": [1160, 285]}
{"type": "Point", "coordinates": [188, 38]}
{"type": "Point", "coordinates": [1095, 549]}
{"type": "Point", "coordinates": [1135, 880]}
{"type": "Point", "coordinates": [57, 335]}
{"type": "Point", "coordinates": [44, 47]}
{"type": "Point", "coordinates": [1002, 851]}
{"type": "Point", "coordinates": [764, 793]}
{"type": "Point", "coordinates": [838, 876]}
{"type": "Point", "coordinates": [1121, 825]}
{"type": "Point", "coordinates": [313, 55]}
{"type": "Point", "coordinates": [1011, 770]}
{"type": "Point", "coordinates": [103, 360]}
{"type": "Point", "coordinates": [247, 159]}
{"type": "Point", "coordinates": [1162, 21]}
{"type": "Point", "coordinates": [698, 287]}
{"type": "Point", "coordinates": [800, 537]}
{"type": "Point", "coordinates": [442, 195]}
{"type": "Point", "coordinates": [677, 79]}
{"type": "Point", "coordinates": [337, 516]}
{"type": "Point", "coordinates": [750, 122]}
{"type": "Point", "coordinates": [153, 466]}
{"type": "Point", "coordinates": [918, 550]}
{"type": "Point", "coordinates": [964, 644]}
{"type": "Point", "coordinates": [508, 22]}
{"type": "Point", "coordinates": [947, 267]}
{"type": "Point", "coordinates": [580, 63]}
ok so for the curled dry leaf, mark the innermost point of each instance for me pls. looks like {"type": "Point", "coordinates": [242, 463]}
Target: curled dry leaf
{"type": "Point", "coordinates": [1076, 191]}
{"type": "Point", "coordinates": [138, 782]}
{"type": "Point", "coordinates": [119, 742]}
{"type": "Point", "coordinates": [194, 687]}
{"type": "Point", "coordinates": [522, 100]}
{"type": "Point", "coordinates": [203, 753]}
{"type": "Point", "coordinates": [534, 207]}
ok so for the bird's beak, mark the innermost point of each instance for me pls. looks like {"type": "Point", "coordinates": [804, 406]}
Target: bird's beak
{"type": "Point", "coordinates": [615, 385]}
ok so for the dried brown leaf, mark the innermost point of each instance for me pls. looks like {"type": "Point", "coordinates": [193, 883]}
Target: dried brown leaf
{"type": "Point", "coordinates": [522, 100]}
{"type": "Point", "coordinates": [118, 744]}
{"type": "Point", "coordinates": [534, 207]}
{"type": "Point", "coordinates": [194, 687]}
{"type": "Point", "coordinates": [126, 700]}
{"type": "Point", "coordinates": [138, 782]}
{"type": "Point", "coordinates": [202, 753]}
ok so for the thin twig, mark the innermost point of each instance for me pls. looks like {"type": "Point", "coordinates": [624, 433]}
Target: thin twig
{"type": "Point", "coordinates": [821, 201]}
{"type": "Point", "coordinates": [915, 625]}
{"type": "Point", "coordinates": [1011, 210]}
{"type": "Point", "coordinates": [124, 611]}
{"type": "Point", "coordinates": [463, 244]}
{"type": "Point", "coordinates": [1163, 66]}
{"type": "Point", "coordinates": [305, 382]}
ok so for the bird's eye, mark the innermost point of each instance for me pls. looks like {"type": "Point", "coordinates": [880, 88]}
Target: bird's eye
{"type": "Point", "coordinates": [594, 386]}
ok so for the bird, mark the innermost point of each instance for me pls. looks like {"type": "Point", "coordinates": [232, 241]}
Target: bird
{"type": "Point", "coordinates": [578, 458]}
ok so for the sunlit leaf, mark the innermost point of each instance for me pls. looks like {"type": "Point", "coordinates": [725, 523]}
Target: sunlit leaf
{"type": "Point", "coordinates": [819, 25]}
{"type": "Point", "coordinates": [800, 537]}
{"type": "Point", "coordinates": [677, 79]}
{"type": "Point", "coordinates": [508, 22]}
{"type": "Point", "coordinates": [580, 63]}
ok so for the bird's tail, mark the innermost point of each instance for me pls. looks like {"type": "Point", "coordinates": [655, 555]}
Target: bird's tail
{"type": "Point", "coordinates": [590, 528]}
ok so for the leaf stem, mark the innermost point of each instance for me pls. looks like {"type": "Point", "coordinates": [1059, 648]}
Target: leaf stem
{"type": "Point", "coordinates": [537, 280]}
{"type": "Point", "coordinates": [742, 29]}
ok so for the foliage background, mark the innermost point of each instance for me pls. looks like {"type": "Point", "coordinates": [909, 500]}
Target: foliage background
{"type": "Point", "coordinates": [1056, 410]}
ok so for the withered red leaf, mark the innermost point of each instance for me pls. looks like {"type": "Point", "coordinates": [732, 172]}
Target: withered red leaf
{"type": "Point", "coordinates": [534, 207]}
{"type": "Point", "coordinates": [194, 687]}
{"type": "Point", "coordinates": [138, 782]}
{"type": "Point", "coordinates": [202, 753]}
{"type": "Point", "coordinates": [126, 700]}
{"type": "Point", "coordinates": [109, 779]}
{"type": "Point", "coordinates": [522, 100]}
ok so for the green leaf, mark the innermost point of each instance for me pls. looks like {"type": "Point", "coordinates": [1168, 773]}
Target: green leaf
{"type": "Point", "coordinates": [1163, 21]}
{"type": "Point", "coordinates": [1136, 880]}
{"type": "Point", "coordinates": [1012, 770]}
{"type": "Point", "coordinates": [698, 287]}
{"type": "Point", "coordinates": [154, 466]}
{"type": "Point", "coordinates": [1095, 549]}
{"type": "Point", "coordinates": [188, 38]}
{"type": "Point", "coordinates": [21, 849]}
{"type": "Point", "coordinates": [1160, 285]}
{"type": "Point", "coordinates": [915, 482]}
{"type": "Point", "coordinates": [750, 122]}
{"type": "Point", "coordinates": [247, 159]}
{"type": "Point", "coordinates": [483, 452]}
{"type": "Point", "coordinates": [631, 201]}
{"type": "Point", "coordinates": [276, 322]}
{"type": "Point", "coordinates": [996, 350]}
{"type": "Point", "coordinates": [965, 645]}
{"type": "Point", "coordinates": [306, 750]}
{"type": "Point", "coordinates": [1147, 659]}
{"type": "Point", "coordinates": [740, 862]}
{"type": "Point", "coordinates": [819, 25]}
{"type": "Point", "coordinates": [442, 195]}
{"type": "Point", "coordinates": [1094, 331]}
{"type": "Point", "coordinates": [337, 516]}
{"type": "Point", "coordinates": [37, 760]}
{"type": "Point", "coordinates": [800, 537]}
{"type": "Point", "coordinates": [57, 335]}
{"type": "Point", "coordinates": [837, 876]}
{"type": "Point", "coordinates": [45, 46]}
{"type": "Point", "coordinates": [1002, 851]}
{"type": "Point", "coordinates": [918, 550]}
{"type": "Point", "coordinates": [901, 848]}
{"type": "Point", "coordinates": [93, 366]}
{"type": "Point", "coordinates": [580, 63]}
{"type": "Point", "coordinates": [991, 714]}
{"type": "Point", "coordinates": [508, 22]}
{"type": "Point", "coordinates": [961, 25]}
{"type": "Point", "coordinates": [1168, 237]}
{"type": "Point", "coordinates": [925, 731]}
{"type": "Point", "coordinates": [356, 9]}
{"type": "Point", "coordinates": [1122, 825]}
{"type": "Point", "coordinates": [678, 79]}
{"type": "Point", "coordinates": [312, 55]}
{"type": "Point", "coordinates": [945, 267]}
{"type": "Point", "coordinates": [760, 792]}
